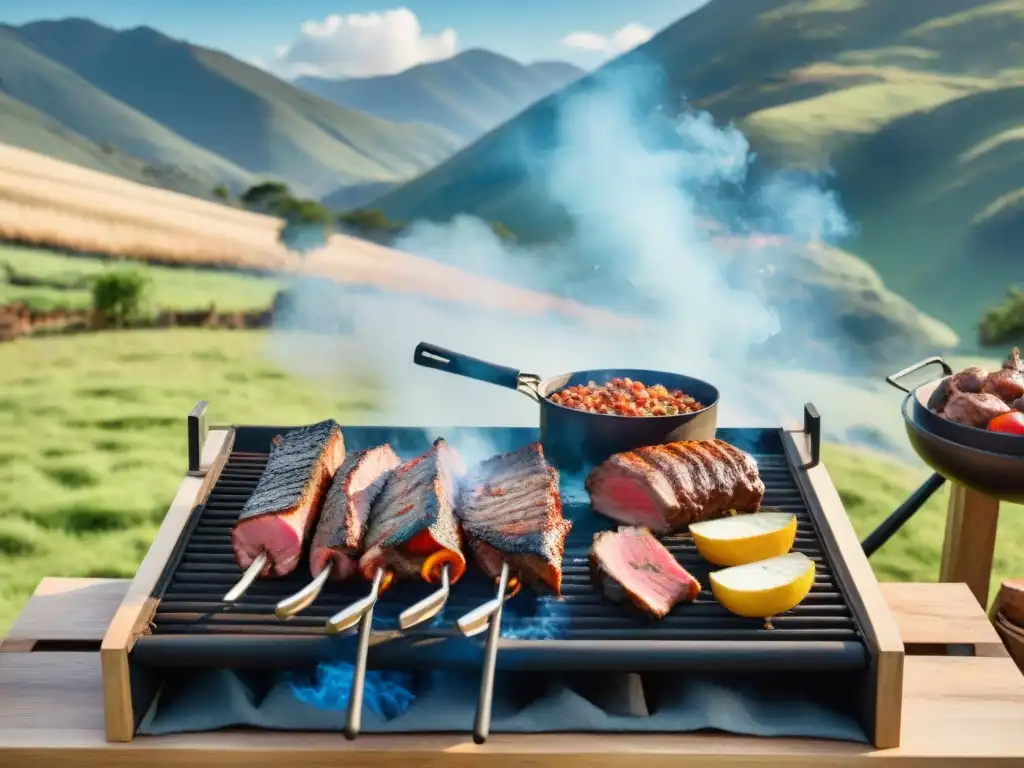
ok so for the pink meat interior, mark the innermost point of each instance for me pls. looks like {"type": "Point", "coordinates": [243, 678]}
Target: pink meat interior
{"type": "Point", "coordinates": [628, 501]}
{"type": "Point", "coordinates": [645, 569]}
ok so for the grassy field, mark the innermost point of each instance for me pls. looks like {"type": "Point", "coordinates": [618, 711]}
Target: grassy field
{"type": "Point", "coordinates": [94, 448]}
{"type": "Point", "coordinates": [94, 439]}
{"type": "Point", "coordinates": [170, 288]}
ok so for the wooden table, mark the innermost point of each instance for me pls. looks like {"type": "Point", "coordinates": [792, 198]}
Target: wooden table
{"type": "Point", "coordinates": [963, 705]}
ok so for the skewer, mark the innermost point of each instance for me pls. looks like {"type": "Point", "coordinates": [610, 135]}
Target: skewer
{"type": "Point", "coordinates": [354, 715]}
{"type": "Point", "coordinates": [349, 617]}
{"type": "Point", "coordinates": [476, 621]}
{"type": "Point", "coordinates": [428, 607]}
{"type": "Point", "coordinates": [482, 723]}
{"type": "Point", "coordinates": [250, 575]}
{"type": "Point", "coordinates": [305, 597]}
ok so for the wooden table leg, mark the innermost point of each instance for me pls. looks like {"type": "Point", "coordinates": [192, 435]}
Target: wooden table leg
{"type": "Point", "coordinates": [971, 522]}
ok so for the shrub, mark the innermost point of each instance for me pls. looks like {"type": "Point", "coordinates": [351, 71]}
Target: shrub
{"type": "Point", "coordinates": [1004, 323]}
{"type": "Point", "coordinates": [503, 232]}
{"type": "Point", "coordinates": [221, 193]}
{"type": "Point", "coordinates": [369, 223]}
{"type": "Point", "coordinates": [118, 297]}
{"type": "Point", "coordinates": [264, 196]}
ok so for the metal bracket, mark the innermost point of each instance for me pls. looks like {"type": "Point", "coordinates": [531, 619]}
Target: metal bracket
{"type": "Point", "coordinates": [197, 432]}
{"type": "Point", "coordinates": [812, 428]}
{"type": "Point", "coordinates": [888, 527]}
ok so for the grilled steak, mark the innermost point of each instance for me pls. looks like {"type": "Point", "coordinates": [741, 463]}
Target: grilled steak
{"type": "Point", "coordinates": [974, 409]}
{"type": "Point", "coordinates": [511, 510]}
{"type": "Point", "coordinates": [969, 380]}
{"type": "Point", "coordinates": [1008, 382]}
{"type": "Point", "coordinates": [342, 527]}
{"type": "Point", "coordinates": [631, 565]}
{"type": "Point", "coordinates": [667, 487]}
{"type": "Point", "coordinates": [281, 512]}
{"type": "Point", "coordinates": [414, 516]}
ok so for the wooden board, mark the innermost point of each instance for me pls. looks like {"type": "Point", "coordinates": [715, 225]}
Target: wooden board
{"type": "Point", "coordinates": [941, 618]}
{"type": "Point", "coordinates": [957, 712]}
{"type": "Point", "coordinates": [883, 704]}
{"type": "Point", "coordinates": [138, 605]}
{"type": "Point", "coordinates": [66, 611]}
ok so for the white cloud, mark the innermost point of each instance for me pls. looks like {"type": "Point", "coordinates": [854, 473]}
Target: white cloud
{"type": "Point", "coordinates": [620, 41]}
{"type": "Point", "coordinates": [362, 45]}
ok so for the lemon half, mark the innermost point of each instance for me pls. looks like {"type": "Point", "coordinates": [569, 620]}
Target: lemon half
{"type": "Point", "coordinates": [765, 589]}
{"type": "Point", "coordinates": [743, 539]}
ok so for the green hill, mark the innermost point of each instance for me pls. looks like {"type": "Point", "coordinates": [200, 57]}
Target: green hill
{"type": "Point", "coordinates": [914, 105]}
{"type": "Point", "coordinates": [467, 94]}
{"type": "Point", "coordinates": [233, 110]}
{"type": "Point", "coordinates": [44, 86]}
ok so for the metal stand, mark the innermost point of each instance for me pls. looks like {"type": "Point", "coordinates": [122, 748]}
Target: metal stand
{"type": "Point", "coordinates": [903, 513]}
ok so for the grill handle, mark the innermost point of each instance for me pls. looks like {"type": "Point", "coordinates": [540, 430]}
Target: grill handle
{"type": "Point", "coordinates": [441, 359]}
{"type": "Point", "coordinates": [893, 380]}
{"type": "Point", "coordinates": [812, 428]}
{"type": "Point", "coordinates": [197, 432]}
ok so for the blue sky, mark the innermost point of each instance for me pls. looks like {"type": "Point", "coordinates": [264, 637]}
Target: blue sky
{"type": "Point", "coordinates": [261, 30]}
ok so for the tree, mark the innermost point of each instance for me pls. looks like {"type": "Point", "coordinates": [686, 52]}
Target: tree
{"type": "Point", "coordinates": [265, 195]}
{"type": "Point", "coordinates": [1005, 323]}
{"type": "Point", "coordinates": [118, 297]}
{"type": "Point", "coordinates": [369, 222]}
{"type": "Point", "coordinates": [221, 193]}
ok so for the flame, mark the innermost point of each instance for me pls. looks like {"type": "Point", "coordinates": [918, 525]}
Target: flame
{"type": "Point", "coordinates": [387, 694]}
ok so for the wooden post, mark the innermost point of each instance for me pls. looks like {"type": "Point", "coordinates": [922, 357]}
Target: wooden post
{"type": "Point", "coordinates": [967, 552]}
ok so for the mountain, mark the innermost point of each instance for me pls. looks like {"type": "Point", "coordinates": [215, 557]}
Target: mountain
{"type": "Point", "coordinates": [45, 87]}
{"type": "Point", "coordinates": [27, 128]}
{"type": "Point", "coordinates": [207, 99]}
{"type": "Point", "coordinates": [913, 106]}
{"type": "Point", "coordinates": [468, 94]}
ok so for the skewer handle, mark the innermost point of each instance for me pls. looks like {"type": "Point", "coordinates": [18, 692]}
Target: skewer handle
{"type": "Point", "coordinates": [482, 723]}
{"type": "Point", "coordinates": [349, 617]}
{"type": "Point", "coordinates": [305, 597]}
{"type": "Point", "coordinates": [428, 607]}
{"type": "Point", "coordinates": [251, 574]}
{"type": "Point", "coordinates": [354, 716]}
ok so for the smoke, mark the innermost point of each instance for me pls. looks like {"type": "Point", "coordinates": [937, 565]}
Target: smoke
{"type": "Point", "coordinates": [640, 189]}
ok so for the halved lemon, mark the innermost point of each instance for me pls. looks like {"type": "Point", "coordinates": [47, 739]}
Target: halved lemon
{"type": "Point", "coordinates": [743, 539]}
{"type": "Point", "coordinates": [765, 589]}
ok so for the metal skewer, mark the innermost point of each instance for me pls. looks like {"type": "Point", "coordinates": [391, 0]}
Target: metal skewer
{"type": "Point", "coordinates": [250, 575]}
{"type": "Point", "coordinates": [476, 621]}
{"type": "Point", "coordinates": [354, 715]}
{"type": "Point", "coordinates": [349, 617]}
{"type": "Point", "coordinates": [428, 607]}
{"type": "Point", "coordinates": [305, 597]}
{"type": "Point", "coordinates": [482, 723]}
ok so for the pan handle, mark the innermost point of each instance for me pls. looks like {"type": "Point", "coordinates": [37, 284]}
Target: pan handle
{"type": "Point", "coordinates": [893, 380]}
{"type": "Point", "coordinates": [441, 359]}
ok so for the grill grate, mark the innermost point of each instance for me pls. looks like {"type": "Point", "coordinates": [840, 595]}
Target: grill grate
{"type": "Point", "coordinates": [204, 568]}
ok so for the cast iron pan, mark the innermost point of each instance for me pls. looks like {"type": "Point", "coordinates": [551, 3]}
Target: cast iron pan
{"type": "Point", "coordinates": [926, 418]}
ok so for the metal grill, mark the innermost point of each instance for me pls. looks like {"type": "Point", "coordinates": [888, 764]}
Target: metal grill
{"type": "Point", "coordinates": [193, 627]}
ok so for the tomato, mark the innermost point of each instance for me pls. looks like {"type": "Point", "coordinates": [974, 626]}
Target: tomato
{"type": "Point", "coordinates": [1011, 423]}
{"type": "Point", "coordinates": [421, 544]}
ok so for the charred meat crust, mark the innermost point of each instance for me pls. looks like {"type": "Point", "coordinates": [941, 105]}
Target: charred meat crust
{"type": "Point", "coordinates": [418, 496]}
{"type": "Point", "coordinates": [511, 510]}
{"type": "Point", "coordinates": [297, 471]}
{"type": "Point", "coordinates": [341, 526]}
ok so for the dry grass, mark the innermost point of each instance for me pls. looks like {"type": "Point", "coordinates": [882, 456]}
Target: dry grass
{"type": "Point", "coordinates": [50, 203]}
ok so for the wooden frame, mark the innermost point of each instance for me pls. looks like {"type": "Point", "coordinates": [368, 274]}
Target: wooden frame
{"type": "Point", "coordinates": [970, 542]}
{"type": "Point", "coordinates": [120, 691]}
{"type": "Point", "coordinates": [883, 694]}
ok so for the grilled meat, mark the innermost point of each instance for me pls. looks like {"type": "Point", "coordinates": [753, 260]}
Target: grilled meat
{"type": "Point", "coordinates": [1007, 383]}
{"type": "Point", "coordinates": [281, 512]}
{"type": "Point", "coordinates": [1018, 404]}
{"type": "Point", "coordinates": [511, 510]}
{"type": "Point", "coordinates": [339, 534]}
{"type": "Point", "coordinates": [414, 516]}
{"type": "Point", "coordinates": [631, 565]}
{"type": "Point", "coordinates": [667, 487]}
{"type": "Point", "coordinates": [973, 409]}
{"type": "Point", "coordinates": [969, 380]}
{"type": "Point", "coordinates": [941, 394]}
